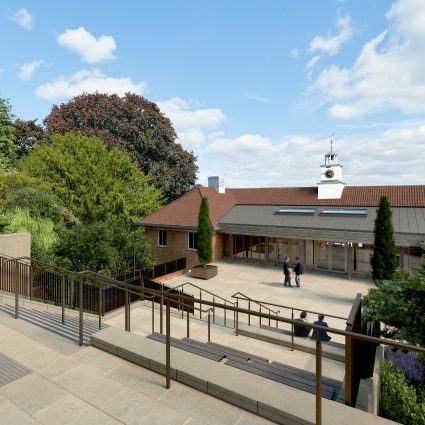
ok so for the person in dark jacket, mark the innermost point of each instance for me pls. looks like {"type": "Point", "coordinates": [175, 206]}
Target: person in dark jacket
{"type": "Point", "coordinates": [300, 330]}
{"type": "Point", "coordinates": [299, 270]}
{"type": "Point", "coordinates": [323, 335]}
{"type": "Point", "coordinates": [287, 272]}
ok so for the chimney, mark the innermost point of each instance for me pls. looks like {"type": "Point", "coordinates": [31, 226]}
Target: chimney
{"type": "Point", "coordinates": [217, 183]}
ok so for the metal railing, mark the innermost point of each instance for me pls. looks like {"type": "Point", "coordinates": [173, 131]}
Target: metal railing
{"type": "Point", "coordinates": [264, 304]}
{"type": "Point", "coordinates": [168, 297]}
{"type": "Point", "coordinates": [201, 298]}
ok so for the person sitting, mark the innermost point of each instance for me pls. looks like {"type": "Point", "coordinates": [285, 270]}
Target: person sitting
{"type": "Point", "coordinates": [300, 330]}
{"type": "Point", "coordinates": [323, 335]}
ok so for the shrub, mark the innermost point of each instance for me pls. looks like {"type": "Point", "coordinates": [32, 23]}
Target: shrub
{"type": "Point", "coordinates": [399, 401]}
{"type": "Point", "coordinates": [408, 363]}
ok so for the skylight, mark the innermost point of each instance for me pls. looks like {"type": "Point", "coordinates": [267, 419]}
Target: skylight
{"type": "Point", "coordinates": [296, 210]}
{"type": "Point", "coordinates": [342, 211]}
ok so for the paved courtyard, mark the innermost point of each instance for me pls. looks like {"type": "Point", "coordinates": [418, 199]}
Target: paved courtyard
{"type": "Point", "coordinates": [82, 385]}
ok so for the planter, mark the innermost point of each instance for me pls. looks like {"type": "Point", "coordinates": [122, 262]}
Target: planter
{"type": "Point", "coordinates": [202, 272]}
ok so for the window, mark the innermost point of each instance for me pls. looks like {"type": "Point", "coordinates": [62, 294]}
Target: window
{"type": "Point", "coordinates": [286, 210]}
{"type": "Point", "coordinates": [193, 240]}
{"type": "Point", "coordinates": [343, 211]}
{"type": "Point", "coordinates": [162, 237]}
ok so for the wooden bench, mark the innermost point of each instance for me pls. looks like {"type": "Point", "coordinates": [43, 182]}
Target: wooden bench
{"type": "Point", "coordinates": [284, 331]}
{"type": "Point", "coordinates": [278, 372]}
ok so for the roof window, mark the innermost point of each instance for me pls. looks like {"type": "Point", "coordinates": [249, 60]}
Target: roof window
{"type": "Point", "coordinates": [346, 212]}
{"type": "Point", "coordinates": [286, 210]}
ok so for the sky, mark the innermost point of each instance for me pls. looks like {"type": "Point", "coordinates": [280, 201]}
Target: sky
{"type": "Point", "coordinates": [255, 88]}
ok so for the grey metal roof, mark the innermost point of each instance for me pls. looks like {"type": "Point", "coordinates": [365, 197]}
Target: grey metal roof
{"type": "Point", "coordinates": [409, 223]}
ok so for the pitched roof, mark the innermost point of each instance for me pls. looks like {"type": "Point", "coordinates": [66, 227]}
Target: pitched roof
{"type": "Point", "coordinates": [183, 212]}
{"type": "Point", "coordinates": [352, 196]}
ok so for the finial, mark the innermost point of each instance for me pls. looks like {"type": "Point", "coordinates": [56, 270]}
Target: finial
{"type": "Point", "coordinates": [331, 140]}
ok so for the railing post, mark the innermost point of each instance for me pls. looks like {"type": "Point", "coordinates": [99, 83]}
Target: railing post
{"type": "Point", "coordinates": [318, 380]}
{"type": "Point", "coordinates": [168, 342]}
{"type": "Point", "coordinates": [187, 324]}
{"type": "Point", "coordinates": [200, 305]}
{"type": "Point", "coordinates": [127, 311]}
{"type": "Point", "coordinates": [81, 324]}
{"type": "Point", "coordinates": [237, 317]}
{"type": "Point", "coordinates": [209, 326]}
{"type": "Point", "coordinates": [160, 314]}
{"type": "Point", "coordinates": [63, 298]}
{"type": "Point", "coordinates": [348, 370]}
{"type": "Point", "coordinates": [182, 303]}
{"type": "Point", "coordinates": [225, 311]}
{"type": "Point", "coordinates": [269, 318]}
{"type": "Point", "coordinates": [249, 312]}
{"type": "Point", "coordinates": [143, 288]}
{"type": "Point", "coordinates": [213, 310]}
{"type": "Point", "coordinates": [153, 315]}
{"type": "Point", "coordinates": [100, 307]}
{"type": "Point", "coordinates": [16, 291]}
{"type": "Point", "coordinates": [292, 333]}
{"type": "Point", "coordinates": [31, 283]}
{"type": "Point", "coordinates": [260, 316]}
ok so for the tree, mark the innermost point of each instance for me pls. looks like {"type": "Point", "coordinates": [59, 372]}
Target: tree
{"type": "Point", "coordinates": [7, 146]}
{"type": "Point", "coordinates": [93, 182]}
{"type": "Point", "coordinates": [204, 233]}
{"type": "Point", "coordinates": [27, 135]}
{"type": "Point", "coordinates": [135, 125]}
{"type": "Point", "coordinates": [43, 234]}
{"type": "Point", "coordinates": [384, 260]}
{"type": "Point", "coordinates": [104, 247]}
{"type": "Point", "coordinates": [400, 304]}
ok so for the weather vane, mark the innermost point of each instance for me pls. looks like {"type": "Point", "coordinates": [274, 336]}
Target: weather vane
{"type": "Point", "coordinates": [332, 140]}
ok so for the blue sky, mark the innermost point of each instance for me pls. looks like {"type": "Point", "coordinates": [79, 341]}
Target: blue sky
{"type": "Point", "coordinates": [253, 87]}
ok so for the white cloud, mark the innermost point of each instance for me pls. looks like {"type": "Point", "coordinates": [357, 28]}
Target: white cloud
{"type": "Point", "coordinates": [261, 99]}
{"type": "Point", "coordinates": [90, 49]}
{"type": "Point", "coordinates": [310, 65]}
{"type": "Point", "coordinates": [87, 81]}
{"type": "Point", "coordinates": [191, 122]}
{"type": "Point", "coordinates": [329, 44]}
{"type": "Point", "coordinates": [253, 160]}
{"type": "Point", "coordinates": [388, 74]}
{"type": "Point", "coordinates": [295, 53]}
{"type": "Point", "coordinates": [23, 18]}
{"type": "Point", "coordinates": [28, 69]}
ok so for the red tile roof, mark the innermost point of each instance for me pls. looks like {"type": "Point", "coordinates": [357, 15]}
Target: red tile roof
{"type": "Point", "coordinates": [184, 211]}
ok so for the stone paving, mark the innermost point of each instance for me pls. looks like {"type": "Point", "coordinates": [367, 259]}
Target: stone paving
{"type": "Point", "coordinates": [83, 385]}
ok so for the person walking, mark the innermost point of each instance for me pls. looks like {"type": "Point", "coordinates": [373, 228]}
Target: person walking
{"type": "Point", "coordinates": [323, 336]}
{"type": "Point", "coordinates": [299, 270]}
{"type": "Point", "coordinates": [287, 272]}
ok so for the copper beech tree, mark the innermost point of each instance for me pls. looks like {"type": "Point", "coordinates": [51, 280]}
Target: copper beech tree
{"type": "Point", "coordinates": [133, 124]}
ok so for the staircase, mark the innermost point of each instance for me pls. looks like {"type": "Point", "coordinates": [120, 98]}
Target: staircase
{"type": "Point", "coordinates": [53, 322]}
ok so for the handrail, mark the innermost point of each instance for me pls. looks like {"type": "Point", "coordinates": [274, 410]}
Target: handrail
{"type": "Point", "coordinates": [201, 289]}
{"type": "Point", "coordinates": [235, 295]}
{"type": "Point", "coordinates": [261, 303]}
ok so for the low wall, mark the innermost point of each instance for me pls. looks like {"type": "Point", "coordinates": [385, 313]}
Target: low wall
{"type": "Point", "coordinates": [15, 244]}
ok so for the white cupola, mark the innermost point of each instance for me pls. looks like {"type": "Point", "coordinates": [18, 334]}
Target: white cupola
{"type": "Point", "coordinates": [331, 184]}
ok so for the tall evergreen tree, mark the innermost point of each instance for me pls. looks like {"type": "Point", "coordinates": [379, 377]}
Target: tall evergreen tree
{"type": "Point", "coordinates": [7, 146]}
{"type": "Point", "coordinates": [204, 233]}
{"type": "Point", "coordinates": [384, 260]}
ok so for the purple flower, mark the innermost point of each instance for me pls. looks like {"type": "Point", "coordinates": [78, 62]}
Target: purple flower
{"type": "Point", "coordinates": [408, 363]}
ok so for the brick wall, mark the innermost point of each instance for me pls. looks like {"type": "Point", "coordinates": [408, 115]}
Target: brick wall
{"type": "Point", "coordinates": [178, 247]}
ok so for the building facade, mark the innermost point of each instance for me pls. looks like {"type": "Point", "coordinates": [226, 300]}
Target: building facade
{"type": "Point", "coordinates": [329, 226]}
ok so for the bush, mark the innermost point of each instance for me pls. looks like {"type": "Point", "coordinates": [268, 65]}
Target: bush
{"type": "Point", "coordinates": [399, 401]}
{"type": "Point", "coordinates": [408, 363]}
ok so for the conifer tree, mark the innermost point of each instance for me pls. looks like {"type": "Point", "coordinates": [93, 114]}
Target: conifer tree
{"type": "Point", "coordinates": [204, 234]}
{"type": "Point", "coordinates": [384, 260]}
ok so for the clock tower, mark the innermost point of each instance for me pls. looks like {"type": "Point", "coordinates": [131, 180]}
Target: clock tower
{"type": "Point", "coordinates": [331, 184]}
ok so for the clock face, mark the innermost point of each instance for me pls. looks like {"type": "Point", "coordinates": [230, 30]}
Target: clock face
{"type": "Point", "coordinates": [329, 174]}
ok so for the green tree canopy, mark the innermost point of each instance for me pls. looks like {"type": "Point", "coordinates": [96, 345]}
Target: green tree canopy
{"type": "Point", "coordinates": [93, 182]}
{"type": "Point", "coordinates": [204, 233]}
{"type": "Point", "coordinates": [400, 304]}
{"type": "Point", "coordinates": [27, 135]}
{"type": "Point", "coordinates": [136, 125]}
{"type": "Point", "coordinates": [7, 130]}
{"type": "Point", "coordinates": [384, 260]}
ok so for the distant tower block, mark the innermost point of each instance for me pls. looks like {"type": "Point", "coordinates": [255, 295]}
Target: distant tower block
{"type": "Point", "coordinates": [217, 183]}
